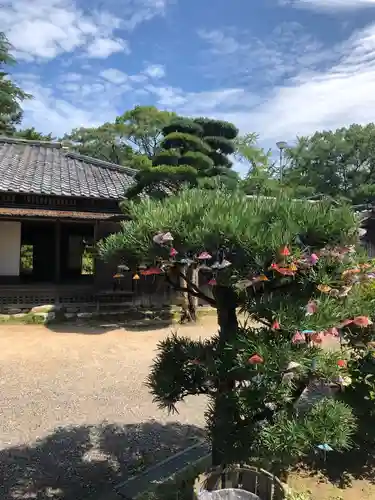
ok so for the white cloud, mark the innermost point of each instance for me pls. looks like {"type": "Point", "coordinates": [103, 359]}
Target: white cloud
{"type": "Point", "coordinates": [104, 47]}
{"type": "Point", "coordinates": [220, 42]}
{"type": "Point", "coordinates": [114, 75]}
{"type": "Point", "coordinates": [155, 71]}
{"type": "Point", "coordinates": [330, 4]}
{"type": "Point", "coordinates": [44, 29]}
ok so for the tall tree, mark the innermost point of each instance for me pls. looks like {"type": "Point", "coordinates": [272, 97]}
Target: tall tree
{"type": "Point", "coordinates": [11, 95]}
{"type": "Point", "coordinates": [143, 128]}
{"type": "Point", "coordinates": [192, 152]}
{"type": "Point", "coordinates": [338, 163]}
{"type": "Point", "coordinates": [106, 142]}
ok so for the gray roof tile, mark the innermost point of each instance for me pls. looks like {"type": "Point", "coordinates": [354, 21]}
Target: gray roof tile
{"type": "Point", "coordinates": [47, 168]}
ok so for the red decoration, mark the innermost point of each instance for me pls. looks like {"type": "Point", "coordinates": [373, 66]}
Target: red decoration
{"type": "Point", "coordinates": [311, 307]}
{"type": "Point", "coordinates": [173, 252]}
{"type": "Point", "coordinates": [151, 271]}
{"type": "Point", "coordinates": [317, 338]}
{"type": "Point", "coordinates": [255, 359]}
{"type": "Point", "coordinates": [341, 363]}
{"type": "Point", "coordinates": [275, 325]}
{"type": "Point", "coordinates": [285, 252]}
{"type": "Point", "coordinates": [333, 331]}
{"type": "Point", "coordinates": [212, 282]}
{"type": "Point", "coordinates": [346, 322]}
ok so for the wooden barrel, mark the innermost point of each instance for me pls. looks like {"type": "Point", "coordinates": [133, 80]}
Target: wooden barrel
{"type": "Point", "coordinates": [248, 478]}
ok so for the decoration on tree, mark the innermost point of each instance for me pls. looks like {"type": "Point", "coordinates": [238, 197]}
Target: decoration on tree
{"type": "Point", "coordinates": [313, 259]}
{"type": "Point", "coordinates": [255, 359]}
{"type": "Point", "coordinates": [298, 338]}
{"type": "Point", "coordinates": [204, 256]}
{"type": "Point", "coordinates": [285, 252]}
{"type": "Point", "coordinates": [212, 282]}
{"type": "Point", "coordinates": [136, 277]}
{"type": "Point", "coordinates": [311, 307]}
{"type": "Point", "coordinates": [163, 238]}
{"type": "Point", "coordinates": [275, 325]}
{"type": "Point", "coordinates": [341, 363]}
{"type": "Point", "coordinates": [362, 321]}
{"type": "Point", "coordinates": [325, 447]}
{"type": "Point", "coordinates": [173, 252]}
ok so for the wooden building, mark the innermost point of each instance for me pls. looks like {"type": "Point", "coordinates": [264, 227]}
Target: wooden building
{"type": "Point", "coordinates": [54, 206]}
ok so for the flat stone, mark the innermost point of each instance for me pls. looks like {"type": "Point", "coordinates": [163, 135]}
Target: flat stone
{"type": "Point", "coordinates": [43, 309]}
{"type": "Point", "coordinates": [14, 311]}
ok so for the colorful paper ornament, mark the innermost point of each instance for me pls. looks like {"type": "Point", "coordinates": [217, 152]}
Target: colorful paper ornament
{"type": "Point", "coordinates": [123, 267]}
{"type": "Point", "coordinates": [212, 282]}
{"type": "Point", "coordinates": [311, 307]}
{"type": "Point", "coordinates": [298, 338]}
{"type": "Point", "coordinates": [152, 271]}
{"type": "Point", "coordinates": [255, 359]}
{"type": "Point", "coordinates": [118, 276]}
{"type": "Point", "coordinates": [362, 321]}
{"type": "Point", "coordinates": [324, 288]}
{"type": "Point", "coordinates": [308, 332]}
{"type": "Point", "coordinates": [275, 325]}
{"type": "Point", "coordinates": [341, 363]}
{"type": "Point", "coordinates": [344, 323]}
{"type": "Point", "coordinates": [324, 447]}
{"type": "Point", "coordinates": [313, 259]}
{"type": "Point", "coordinates": [293, 365]}
{"type": "Point", "coordinates": [332, 331]}
{"type": "Point", "coordinates": [317, 338]}
{"type": "Point", "coordinates": [162, 238]}
{"type": "Point", "coordinates": [204, 256]}
{"type": "Point", "coordinates": [344, 381]}
{"type": "Point", "coordinates": [221, 265]}
{"type": "Point", "coordinates": [285, 252]}
{"type": "Point", "coordinates": [173, 252]}
{"type": "Point", "coordinates": [136, 277]}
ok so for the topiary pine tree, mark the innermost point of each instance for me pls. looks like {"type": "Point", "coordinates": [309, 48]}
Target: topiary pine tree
{"type": "Point", "coordinates": [193, 152]}
{"type": "Point", "coordinates": [294, 268]}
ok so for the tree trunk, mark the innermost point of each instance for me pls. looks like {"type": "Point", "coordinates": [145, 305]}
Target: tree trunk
{"type": "Point", "coordinates": [226, 300]}
{"type": "Point", "coordinates": [185, 309]}
{"type": "Point", "coordinates": [193, 300]}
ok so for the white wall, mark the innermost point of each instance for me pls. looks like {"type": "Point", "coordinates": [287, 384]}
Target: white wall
{"type": "Point", "coordinates": [10, 246]}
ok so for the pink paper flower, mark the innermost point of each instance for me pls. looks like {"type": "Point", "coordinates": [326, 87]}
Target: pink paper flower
{"type": "Point", "coordinates": [255, 359]}
{"type": "Point", "coordinates": [362, 321]}
{"type": "Point", "coordinates": [204, 256]}
{"type": "Point", "coordinates": [285, 252]}
{"type": "Point", "coordinates": [212, 282]}
{"type": "Point", "coordinates": [311, 307]}
{"type": "Point", "coordinates": [275, 325]}
{"type": "Point", "coordinates": [298, 338]}
{"type": "Point", "coordinates": [173, 252]}
{"type": "Point", "coordinates": [333, 331]}
{"type": "Point", "coordinates": [314, 259]}
{"type": "Point", "coordinates": [341, 363]}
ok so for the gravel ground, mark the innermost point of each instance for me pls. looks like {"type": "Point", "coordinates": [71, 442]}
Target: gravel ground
{"type": "Point", "coordinates": [75, 415]}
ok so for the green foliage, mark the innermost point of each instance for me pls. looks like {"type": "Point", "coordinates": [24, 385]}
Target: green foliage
{"type": "Point", "coordinates": [183, 125]}
{"type": "Point", "coordinates": [197, 160]}
{"type": "Point", "coordinates": [221, 144]}
{"type": "Point", "coordinates": [220, 160]}
{"type": "Point", "coordinates": [184, 142]}
{"type": "Point", "coordinates": [203, 219]}
{"type": "Point", "coordinates": [217, 128]}
{"type": "Point", "coordinates": [11, 95]}
{"type": "Point", "coordinates": [167, 157]}
{"type": "Point", "coordinates": [33, 135]}
{"type": "Point", "coordinates": [106, 142]}
{"type": "Point", "coordinates": [338, 163]}
{"type": "Point", "coordinates": [143, 128]}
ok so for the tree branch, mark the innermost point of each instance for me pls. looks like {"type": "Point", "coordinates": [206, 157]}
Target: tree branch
{"type": "Point", "coordinates": [196, 293]}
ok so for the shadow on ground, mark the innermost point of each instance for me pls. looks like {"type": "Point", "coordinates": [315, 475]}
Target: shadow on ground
{"type": "Point", "coordinates": [84, 462]}
{"type": "Point", "coordinates": [342, 468]}
{"type": "Point", "coordinates": [142, 321]}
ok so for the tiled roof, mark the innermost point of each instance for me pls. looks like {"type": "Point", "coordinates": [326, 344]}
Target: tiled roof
{"type": "Point", "coordinates": [50, 169]}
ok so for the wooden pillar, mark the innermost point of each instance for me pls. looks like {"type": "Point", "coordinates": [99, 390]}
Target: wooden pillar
{"type": "Point", "coordinates": [96, 232]}
{"type": "Point", "coordinates": [57, 252]}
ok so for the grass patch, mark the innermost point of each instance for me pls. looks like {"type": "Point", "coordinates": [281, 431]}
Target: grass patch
{"type": "Point", "coordinates": [27, 319]}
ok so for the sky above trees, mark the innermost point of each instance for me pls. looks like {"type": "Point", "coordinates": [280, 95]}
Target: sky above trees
{"type": "Point", "coordinates": [278, 67]}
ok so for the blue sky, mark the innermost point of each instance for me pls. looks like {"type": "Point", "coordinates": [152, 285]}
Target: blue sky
{"type": "Point", "coordinates": [281, 68]}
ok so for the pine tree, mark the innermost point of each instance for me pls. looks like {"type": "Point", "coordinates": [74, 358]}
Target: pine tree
{"type": "Point", "coordinates": [292, 267]}
{"type": "Point", "coordinates": [193, 152]}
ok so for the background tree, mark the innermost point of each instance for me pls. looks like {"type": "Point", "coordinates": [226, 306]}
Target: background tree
{"type": "Point", "coordinates": [11, 95]}
{"type": "Point", "coordinates": [193, 152]}
{"type": "Point", "coordinates": [143, 126]}
{"type": "Point", "coordinates": [106, 142]}
{"type": "Point", "coordinates": [33, 135]}
{"type": "Point", "coordinates": [338, 163]}
{"type": "Point", "coordinates": [288, 264]}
